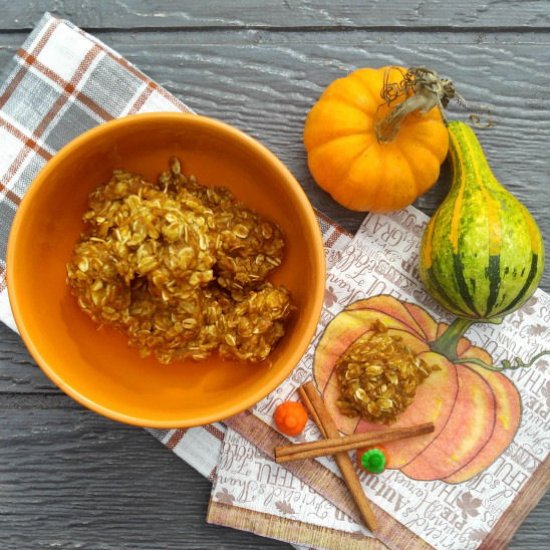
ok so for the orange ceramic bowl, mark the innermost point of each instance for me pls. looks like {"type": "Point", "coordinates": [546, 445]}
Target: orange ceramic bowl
{"type": "Point", "coordinates": [97, 367]}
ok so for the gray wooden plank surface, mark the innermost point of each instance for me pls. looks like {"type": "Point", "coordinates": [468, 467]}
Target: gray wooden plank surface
{"type": "Point", "coordinates": [69, 478]}
{"type": "Point", "coordinates": [223, 76]}
{"type": "Point", "coordinates": [72, 479]}
{"type": "Point", "coordinates": [83, 481]}
{"type": "Point", "coordinates": [146, 14]}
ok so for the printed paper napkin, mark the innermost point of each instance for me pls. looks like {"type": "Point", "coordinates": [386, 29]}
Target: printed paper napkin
{"type": "Point", "coordinates": [472, 482]}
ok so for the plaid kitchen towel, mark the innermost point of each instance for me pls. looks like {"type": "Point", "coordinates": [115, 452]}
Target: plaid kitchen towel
{"type": "Point", "coordinates": [62, 82]}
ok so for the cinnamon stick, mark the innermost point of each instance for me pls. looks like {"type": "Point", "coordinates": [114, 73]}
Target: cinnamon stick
{"type": "Point", "coordinates": [315, 406]}
{"type": "Point", "coordinates": [301, 451]}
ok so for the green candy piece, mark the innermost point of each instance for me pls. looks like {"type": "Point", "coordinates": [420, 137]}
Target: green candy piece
{"type": "Point", "coordinates": [374, 461]}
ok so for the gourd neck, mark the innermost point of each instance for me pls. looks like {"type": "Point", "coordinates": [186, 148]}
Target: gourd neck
{"type": "Point", "coordinates": [447, 343]}
{"type": "Point", "coordinates": [424, 90]}
{"type": "Point", "coordinates": [467, 155]}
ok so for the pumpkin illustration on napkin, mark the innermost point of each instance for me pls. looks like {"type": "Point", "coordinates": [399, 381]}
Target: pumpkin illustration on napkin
{"type": "Point", "coordinates": [476, 411]}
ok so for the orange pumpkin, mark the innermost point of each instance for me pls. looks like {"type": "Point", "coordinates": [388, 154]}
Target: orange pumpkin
{"type": "Point", "coordinates": [350, 158]}
{"type": "Point", "coordinates": [476, 411]}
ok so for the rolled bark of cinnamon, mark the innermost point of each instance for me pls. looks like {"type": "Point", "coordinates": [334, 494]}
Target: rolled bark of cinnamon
{"type": "Point", "coordinates": [301, 451]}
{"type": "Point", "coordinates": [316, 408]}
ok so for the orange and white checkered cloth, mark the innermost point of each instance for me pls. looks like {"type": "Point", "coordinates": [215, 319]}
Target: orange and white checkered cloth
{"type": "Point", "coordinates": [62, 82]}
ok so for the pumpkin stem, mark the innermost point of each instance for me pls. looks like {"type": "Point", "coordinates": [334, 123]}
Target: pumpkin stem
{"type": "Point", "coordinates": [425, 90]}
{"type": "Point", "coordinates": [447, 343]}
{"type": "Point", "coordinates": [516, 363]}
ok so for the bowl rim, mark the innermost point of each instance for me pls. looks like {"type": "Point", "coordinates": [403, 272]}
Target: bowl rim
{"type": "Point", "coordinates": [38, 184]}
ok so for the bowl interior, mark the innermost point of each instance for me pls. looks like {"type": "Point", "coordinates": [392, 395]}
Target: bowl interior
{"type": "Point", "coordinates": [96, 366]}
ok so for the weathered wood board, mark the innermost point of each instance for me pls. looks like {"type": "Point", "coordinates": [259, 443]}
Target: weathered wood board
{"type": "Point", "coordinates": [69, 478]}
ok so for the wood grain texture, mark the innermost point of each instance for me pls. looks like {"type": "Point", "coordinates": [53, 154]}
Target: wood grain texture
{"type": "Point", "coordinates": [71, 479]}
{"type": "Point", "coordinates": [146, 14]}
{"type": "Point", "coordinates": [265, 83]}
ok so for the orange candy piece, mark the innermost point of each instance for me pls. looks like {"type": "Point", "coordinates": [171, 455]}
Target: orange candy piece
{"type": "Point", "coordinates": [290, 417]}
